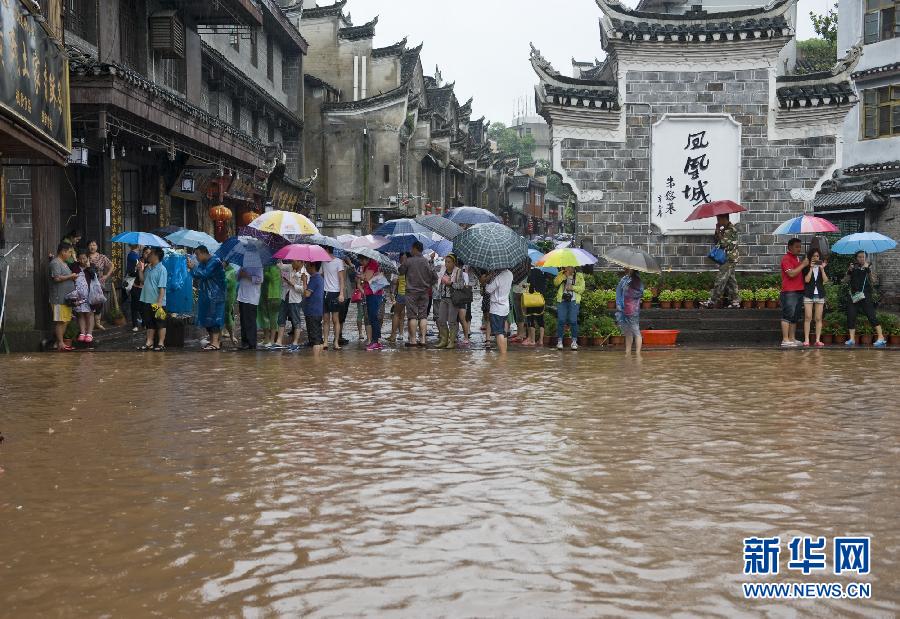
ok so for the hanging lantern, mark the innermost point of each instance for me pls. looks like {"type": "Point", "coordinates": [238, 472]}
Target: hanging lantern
{"type": "Point", "coordinates": [248, 217]}
{"type": "Point", "coordinates": [220, 213]}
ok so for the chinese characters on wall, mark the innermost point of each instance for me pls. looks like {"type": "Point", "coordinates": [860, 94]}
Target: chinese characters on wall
{"type": "Point", "coordinates": [694, 160]}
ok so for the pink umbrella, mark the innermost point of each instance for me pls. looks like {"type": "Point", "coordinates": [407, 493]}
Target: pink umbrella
{"type": "Point", "coordinates": [370, 241]}
{"type": "Point", "coordinates": [307, 253]}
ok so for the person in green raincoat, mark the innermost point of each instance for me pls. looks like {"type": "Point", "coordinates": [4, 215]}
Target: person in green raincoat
{"type": "Point", "coordinates": [231, 286]}
{"type": "Point", "coordinates": [269, 305]}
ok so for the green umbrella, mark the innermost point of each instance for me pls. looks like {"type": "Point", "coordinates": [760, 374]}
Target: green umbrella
{"type": "Point", "coordinates": [490, 246]}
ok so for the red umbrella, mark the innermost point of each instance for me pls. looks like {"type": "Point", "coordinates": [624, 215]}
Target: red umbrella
{"type": "Point", "coordinates": [714, 209]}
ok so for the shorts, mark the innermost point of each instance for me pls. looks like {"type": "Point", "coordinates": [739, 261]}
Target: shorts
{"type": "Point", "coordinates": [400, 299]}
{"type": "Point", "coordinates": [498, 324]}
{"type": "Point", "coordinates": [792, 306]}
{"type": "Point", "coordinates": [816, 299]}
{"type": "Point", "coordinates": [294, 311]}
{"type": "Point", "coordinates": [149, 316]}
{"type": "Point", "coordinates": [535, 320]}
{"type": "Point", "coordinates": [331, 303]}
{"type": "Point", "coordinates": [314, 330]}
{"type": "Point", "coordinates": [362, 314]}
{"type": "Point", "coordinates": [630, 325]}
{"type": "Point", "coordinates": [61, 313]}
{"type": "Point", "coordinates": [417, 305]}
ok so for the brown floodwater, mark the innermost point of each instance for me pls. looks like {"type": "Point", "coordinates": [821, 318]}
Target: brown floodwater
{"type": "Point", "coordinates": [426, 483]}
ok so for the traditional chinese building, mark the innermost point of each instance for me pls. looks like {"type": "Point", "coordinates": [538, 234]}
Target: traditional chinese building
{"type": "Point", "coordinates": [35, 138]}
{"type": "Point", "coordinates": [864, 191]}
{"type": "Point", "coordinates": [690, 107]}
{"type": "Point", "coordinates": [388, 140]}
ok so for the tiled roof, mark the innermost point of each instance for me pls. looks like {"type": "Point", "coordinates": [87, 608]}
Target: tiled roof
{"type": "Point", "coordinates": [581, 97]}
{"type": "Point", "coordinates": [708, 31]}
{"type": "Point", "coordinates": [396, 49]}
{"type": "Point", "coordinates": [439, 98]}
{"type": "Point", "coordinates": [840, 198]}
{"type": "Point", "coordinates": [399, 93]}
{"type": "Point", "coordinates": [877, 71]}
{"type": "Point", "coordinates": [521, 182]}
{"type": "Point", "coordinates": [816, 94]}
{"type": "Point", "coordinates": [889, 187]}
{"type": "Point", "coordinates": [867, 168]}
{"type": "Point", "coordinates": [332, 10]}
{"type": "Point", "coordinates": [355, 33]}
{"type": "Point", "coordinates": [408, 62]}
{"type": "Point", "coordinates": [314, 81]}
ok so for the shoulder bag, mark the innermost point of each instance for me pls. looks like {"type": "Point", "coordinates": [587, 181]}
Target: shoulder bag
{"type": "Point", "coordinates": [717, 255]}
{"type": "Point", "coordinates": [856, 297]}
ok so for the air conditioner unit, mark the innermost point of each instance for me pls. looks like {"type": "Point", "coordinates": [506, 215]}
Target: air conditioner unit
{"type": "Point", "coordinates": [167, 34]}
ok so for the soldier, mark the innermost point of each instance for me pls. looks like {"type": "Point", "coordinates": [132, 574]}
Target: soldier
{"type": "Point", "coordinates": [726, 282]}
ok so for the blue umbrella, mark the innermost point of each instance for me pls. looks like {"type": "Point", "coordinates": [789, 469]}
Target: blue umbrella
{"type": "Point", "coordinates": [442, 248]}
{"type": "Point", "coordinates": [469, 215]}
{"type": "Point", "coordinates": [536, 255]}
{"type": "Point", "coordinates": [140, 238]}
{"type": "Point", "coordinates": [401, 243]}
{"type": "Point", "coordinates": [401, 226]}
{"type": "Point", "coordinates": [193, 238]}
{"type": "Point", "coordinates": [245, 251]}
{"type": "Point", "coordinates": [869, 242]}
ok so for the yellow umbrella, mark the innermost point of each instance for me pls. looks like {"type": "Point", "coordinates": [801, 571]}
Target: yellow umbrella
{"type": "Point", "coordinates": [284, 223]}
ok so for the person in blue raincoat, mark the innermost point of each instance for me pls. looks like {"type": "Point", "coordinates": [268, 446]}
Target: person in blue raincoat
{"type": "Point", "coordinates": [209, 273]}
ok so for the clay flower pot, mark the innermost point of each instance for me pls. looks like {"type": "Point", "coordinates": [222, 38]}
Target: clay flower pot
{"type": "Point", "coordinates": [747, 304]}
{"type": "Point", "coordinates": [866, 340]}
{"type": "Point", "coordinates": [827, 338]}
{"type": "Point", "coordinates": [618, 340]}
{"type": "Point", "coordinates": [677, 304]}
{"type": "Point", "coordinates": [761, 305]}
{"type": "Point", "coordinates": [567, 341]}
{"type": "Point", "coordinates": [894, 340]}
{"type": "Point", "coordinates": [610, 305]}
{"type": "Point", "coordinates": [597, 341]}
{"type": "Point", "coordinates": [549, 340]}
{"type": "Point", "coordinates": [771, 304]}
{"type": "Point", "coordinates": [583, 340]}
{"type": "Point", "coordinates": [689, 304]}
{"type": "Point", "coordinates": [646, 304]}
{"type": "Point", "coordinates": [665, 304]}
{"type": "Point", "coordinates": [840, 338]}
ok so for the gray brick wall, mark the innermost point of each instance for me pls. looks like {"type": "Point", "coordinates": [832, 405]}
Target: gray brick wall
{"type": "Point", "coordinates": [887, 264]}
{"type": "Point", "coordinates": [770, 169]}
{"type": "Point", "coordinates": [17, 228]}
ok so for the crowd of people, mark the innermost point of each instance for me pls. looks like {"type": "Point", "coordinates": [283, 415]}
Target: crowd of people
{"type": "Point", "coordinates": [281, 301]}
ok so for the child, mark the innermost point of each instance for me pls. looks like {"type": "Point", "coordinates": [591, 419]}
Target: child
{"type": "Point", "coordinates": [628, 307]}
{"type": "Point", "coordinates": [89, 288]}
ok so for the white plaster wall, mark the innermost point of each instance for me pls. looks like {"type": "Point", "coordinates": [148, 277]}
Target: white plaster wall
{"type": "Point", "coordinates": [241, 59]}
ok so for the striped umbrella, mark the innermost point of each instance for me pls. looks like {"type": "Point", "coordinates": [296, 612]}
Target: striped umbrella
{"type": "Point", "coordinates": [536, 255]}
{"type": "Point", "coordinates": [469, 215]}
{"type": "Point", "coordinates": [284, 223]}
{"type": "Point", "coordinates": [567, 257]}
{"type": "Point", "coordinates": [443, 226]}
{"type": "Point", "coordinates": [401, 226]}
{"type": "Point", "coordinates": [805, 224]}
{"type": "Point", "coordinates": [490, 247]}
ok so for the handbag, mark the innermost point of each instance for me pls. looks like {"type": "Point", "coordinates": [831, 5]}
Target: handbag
{"type": "Point", "coordinates": [73, 299]}
{"type": "Point", "coordinates": [379, 282]}
{"type": "Point", "coordinates": [533, 299]}
{"type": "Point", "coordinates": [95, 293]}
{"type": "Point", "coordinates": [129, 283]}
{"type": "Point", "coordinates": [357, 296]}
{"type": "Point", "coordinates": [717, 255]}
{"type": "Point", "coordinates": [461, 297]}
{"type": "Point", "coordinates": [856, 297]}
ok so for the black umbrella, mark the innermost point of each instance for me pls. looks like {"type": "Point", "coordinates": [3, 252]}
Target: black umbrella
{"type": "Point", "coordinates": [443, 226]}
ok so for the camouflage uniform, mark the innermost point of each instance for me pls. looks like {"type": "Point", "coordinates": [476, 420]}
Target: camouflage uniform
{"type": "Point", "coordinates": [726, 282]}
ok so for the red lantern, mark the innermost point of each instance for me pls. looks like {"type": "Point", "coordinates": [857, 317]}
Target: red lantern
{"type": "Point", "coordinates": [220, 213]}
{"type": "Point", "coordinates": [248, 217]}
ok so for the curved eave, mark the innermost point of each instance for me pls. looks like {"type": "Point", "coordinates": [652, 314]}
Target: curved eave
{"type": "Point", "coordinates": [616, 10]}
{"type": "Point", "coordinates": [549, 75]}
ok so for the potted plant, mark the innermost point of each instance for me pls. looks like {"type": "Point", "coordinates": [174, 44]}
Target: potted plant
{"type": "Point", "coordinates": [772, 295]}
{"type": "Point", "coordinates": [677, 298]}
{"type": "Point", "coordinates": [864, 332]}
{"type": "Point", "coordinates": [690, 298]}
{"type": "Point", "coordinates": [610, 298]}
{"type": "Point", "coordinates": [117, 317]}
{"type": "Point", "coordinates": [603, 330]}
{"type": "Point", "coordinates": [761, 295]}
{"type": "Point", "coordinates": [828, 331]}
{"type": "Point", "coordinates": [666, 298]}
{"type": "Point", "coordinates": [894, 335]}
{"type": "Point", "coordinates": [746, 298]}
{"type": "Point", "coordinates": [70, 333]}
{"type": "Point", "coordinates": [647, 299]}
{"type": "Point", "coordinates": [616, 336]}
{"type": "Point", "coordinates": [549, 329]}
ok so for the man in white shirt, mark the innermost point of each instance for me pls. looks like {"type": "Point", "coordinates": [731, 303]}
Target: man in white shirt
{"type": "Point", "coordinates": [498, 288]}
{"type": "Point", "coordinates": [291, 302]}
{"type": "Point", "coordinates": [333, 272]}
{"type": "Point", "coordinates": [249, 284]}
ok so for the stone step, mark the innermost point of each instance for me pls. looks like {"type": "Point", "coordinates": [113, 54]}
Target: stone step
{"type": "Point", "coordinates": [718, 324]}
{"type": "Point", "coordinates": [711, 313]}
{"type": "Point", "coordinates": [701, 336]}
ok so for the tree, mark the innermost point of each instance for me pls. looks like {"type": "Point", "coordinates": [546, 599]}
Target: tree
{"type": "Point", "coordinates": [826, 25]}
{"type": "Point", "coordinates": [509, 142]}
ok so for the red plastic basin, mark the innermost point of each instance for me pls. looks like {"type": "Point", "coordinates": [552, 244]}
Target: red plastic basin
{"type": "Point", "coordinates": [659, 337]}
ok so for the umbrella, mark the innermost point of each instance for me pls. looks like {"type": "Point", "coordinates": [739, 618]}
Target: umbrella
{"type": "Point", "coordinates": [714, 209]}
{"type": "Point", "coordinates": [805, 224]}
{"type": "Point", "coordinates": [632, 258]}
{"type": "Point", "coordinates": [272, 240]}
{"type": "Point", "coordinates": [322, 240]}
{"type": "Point", "coordinates": [193, 238]}
{"type": "Point", "coordinates": [284, 223]}
{"type": "Point", "coordinates": [387, 265]}
{"type": "Point", "coordinates": [567, 257]}
{"type": "Point", "coordinates": [140, 238]}
{"type": "Point", "coordinates": [245, 251]}
{"type": "Point", "coordinates": [441, 225]}
{"type": "Point", "coordinates": [468, 215]}
{"type": "Point", "coordinates": [490, 246]}
{"type": "Point", "coordinates": [537, 255]}
{"type": "Point", "coordinates": [869, 242]}
{"type": "Point", "coordinates": [520, 271]}
{"type": "Point", "coordinates": [402, 243]}
{"type": "Point", "coordinates": [401, 226]}
{"type": "Point", "coordinates": [166, 230]}
{"type": "Point", "coordinates": [345, 239]}
{"type": "Point", "coordinates": [307, 253]}
{"type": "Point", "coordinates": [370, 241]}
{"type": "Point", "coordinates": [442, 248]}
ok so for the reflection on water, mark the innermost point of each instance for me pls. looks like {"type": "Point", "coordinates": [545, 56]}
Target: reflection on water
{"type": "Point", "coordinates": [420, 484]}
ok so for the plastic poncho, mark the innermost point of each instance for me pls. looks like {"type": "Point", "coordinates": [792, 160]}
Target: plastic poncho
{"type": "Point", "coordinates": [271, 288]}
{"type": "Point", "coordinates": [179, 287]}
{"type": "Point", "coordinates": [210, 278]}
{"type": "Point", "coordinates": [231, 288]}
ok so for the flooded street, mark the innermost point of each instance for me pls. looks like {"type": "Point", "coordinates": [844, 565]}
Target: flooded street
{"type": "Point", "coordinates": [421, 483]}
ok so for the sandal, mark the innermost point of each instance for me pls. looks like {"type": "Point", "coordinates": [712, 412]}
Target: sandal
{"type": "Point", "coordinates": [159, 349]}
{"type": "Point", "coordinates": [210, 347]}
{"type": "Point", "coordinates": [144, 348]}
